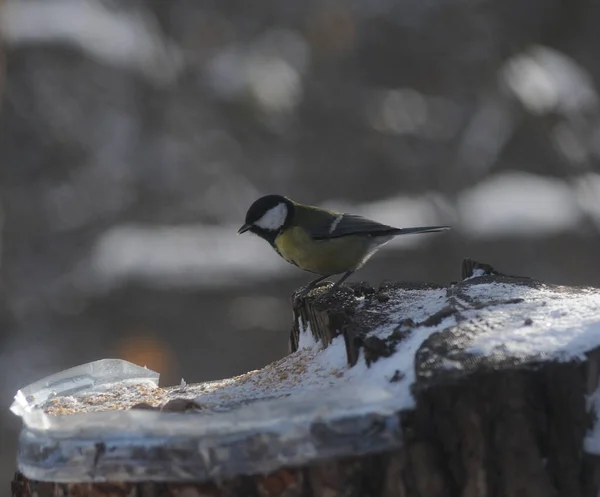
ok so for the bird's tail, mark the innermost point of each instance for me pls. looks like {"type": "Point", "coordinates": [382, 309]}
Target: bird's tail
{"type": "Point", "coordinates": [421, 229]}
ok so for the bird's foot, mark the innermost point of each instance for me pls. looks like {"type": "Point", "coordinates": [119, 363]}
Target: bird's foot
{"type": "Point", "coordinates": [300, 293]}
{"type": "Point", "coordinates": [303, 292]}
{"type": "Point", "coordinates": [327, 293]}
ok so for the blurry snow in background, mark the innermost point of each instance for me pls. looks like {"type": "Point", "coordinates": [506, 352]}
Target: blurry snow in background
{"type": "Point", "coordinates": [135, 135]}
{"type": "Point", "coordinates": [127, 39]}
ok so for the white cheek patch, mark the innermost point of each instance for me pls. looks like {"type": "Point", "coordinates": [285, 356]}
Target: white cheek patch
{"type": "Point", "coordinates": [274, 218]}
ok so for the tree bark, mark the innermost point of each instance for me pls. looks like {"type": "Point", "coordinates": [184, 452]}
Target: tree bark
{"type": "Point", "coordinates": [499, 427]}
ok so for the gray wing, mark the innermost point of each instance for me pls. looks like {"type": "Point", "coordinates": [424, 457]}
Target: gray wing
{"type": "Point", "coordinates": [350, 224]}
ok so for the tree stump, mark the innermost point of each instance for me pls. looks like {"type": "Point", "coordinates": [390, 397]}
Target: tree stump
{"type": "Point", "coordinates": [485, 387]}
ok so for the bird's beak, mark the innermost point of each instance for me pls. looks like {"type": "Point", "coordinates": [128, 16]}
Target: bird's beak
{"type": "Point", "coordinates": [243, 229]}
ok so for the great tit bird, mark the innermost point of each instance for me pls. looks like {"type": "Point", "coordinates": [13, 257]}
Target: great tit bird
{"type": "Point", "coordinates": [320, 241]}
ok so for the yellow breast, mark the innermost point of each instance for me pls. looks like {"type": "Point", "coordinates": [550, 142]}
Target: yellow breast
{"type": "Point", "coordinates": [326, 257]}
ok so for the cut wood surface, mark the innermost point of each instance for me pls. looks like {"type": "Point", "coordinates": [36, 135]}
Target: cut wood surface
{"type": "Point", "coordinates": [490, 390]}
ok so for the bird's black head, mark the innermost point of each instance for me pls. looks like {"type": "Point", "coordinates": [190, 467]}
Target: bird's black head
{"type": "Point", "coordinates": [268, 216]}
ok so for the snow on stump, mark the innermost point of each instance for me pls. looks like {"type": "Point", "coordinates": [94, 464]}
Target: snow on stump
{"type": "Point", "coordinates": [485, 387]}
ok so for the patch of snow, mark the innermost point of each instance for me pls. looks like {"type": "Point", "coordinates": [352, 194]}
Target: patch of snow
{"type": "Point", "coordinates": [306, 339]}
{"type": "Point", "coordinates": [269, 68]}
{"type": "Point", "coordinates": [477, 273]}
{"type": "Point", "coordinates": [379, 374]}
{"type": "Point", "coordinates": [416, 304]}
{"type": "Point", "coordinates": [275, 83]}
{"type": "Point", "coordinates": [452, 365]}
{"type": "Point", "coordinates": [204, 256]}
{"type": "Point", "coordinates": [547, 80]}
{"type": "Point", "coordinates": [540, 325]}
{"type": "Point", "coordinates": [313, 368]}
{"type": "Point", "coordinates": [591, 442]}
{"type": "Point", "coordinates": [587, 193]}
{"type": "Point", "coordinates": [518, 203]}
{"type": "Point", "coordinates": [285, 399]}
{"type": "Point", "coordinates": [123, 38]}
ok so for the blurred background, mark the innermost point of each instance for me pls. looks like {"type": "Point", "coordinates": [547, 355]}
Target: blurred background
{"type": "Point", "coordinates": [134, 135]}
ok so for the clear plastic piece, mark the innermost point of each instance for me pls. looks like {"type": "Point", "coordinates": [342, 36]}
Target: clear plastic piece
{"type": "Point", "coordinates": [90, 377]}
{"type": "Point", "coordinates": [150, 445]}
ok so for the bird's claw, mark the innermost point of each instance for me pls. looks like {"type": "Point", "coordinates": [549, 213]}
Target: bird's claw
{"type": "Point", "coordinates": [300, 293]}
{"type": "Point", "coordinates": [303, 292]}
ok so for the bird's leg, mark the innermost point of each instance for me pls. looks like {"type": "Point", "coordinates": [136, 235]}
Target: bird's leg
{"type": "Point", "coordinates": [337, 284]}
{"type": "Point", "coordinates": [309, 287]}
